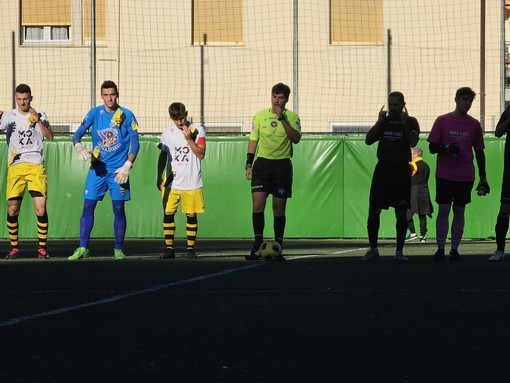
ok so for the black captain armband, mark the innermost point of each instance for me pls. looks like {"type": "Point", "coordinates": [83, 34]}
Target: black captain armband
{"type": "Point", "coordinates": [249, 160]}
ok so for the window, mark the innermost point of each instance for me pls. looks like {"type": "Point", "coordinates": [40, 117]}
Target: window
{"type": "Point", "coordinates": [100, 20]}
{"type": "Point", "coordinates": [356, 21]}
{"type": "Point", "coordinates": [217, 22]}
{"type": "Point", "coordinates": [59, 33]}
{"type": "Point", "coordinates": [46, 22]}
{"type": "Point", "coordinates": [45, 34]}
{"type": "Point", "coordinates": [34, 33]}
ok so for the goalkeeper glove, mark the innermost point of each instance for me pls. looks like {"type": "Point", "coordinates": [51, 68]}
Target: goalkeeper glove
{"type": "Point", "coordinates": [483, 188]}
{"type": "Point", "coordinates": [83, 153]}
{"type": "Point", "coordinates": [452, 148]}
{"type": "Point", "coordinates": [123, 173]}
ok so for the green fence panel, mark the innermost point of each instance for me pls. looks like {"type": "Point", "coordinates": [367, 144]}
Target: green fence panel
{"type": "Point", "coordinates": [360, 161]}
{"type": "Point", "coordinates": [316, 207]}
{"type": "Point", "coordinates": [332, 177]}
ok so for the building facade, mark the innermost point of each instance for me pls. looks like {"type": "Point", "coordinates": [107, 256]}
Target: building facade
{"type": "Point", "coordinates": [221, 57]}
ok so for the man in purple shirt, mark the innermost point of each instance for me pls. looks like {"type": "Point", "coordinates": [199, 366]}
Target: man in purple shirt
{"type": "Point", "coordinates": [453, 138]}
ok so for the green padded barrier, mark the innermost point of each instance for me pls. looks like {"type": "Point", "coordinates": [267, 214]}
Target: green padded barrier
{"type": "Point", "coordinates": [330, 194]}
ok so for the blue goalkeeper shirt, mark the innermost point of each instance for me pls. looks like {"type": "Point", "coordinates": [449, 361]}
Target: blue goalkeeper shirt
{"type": "Point", "coordinates": [114, 135]}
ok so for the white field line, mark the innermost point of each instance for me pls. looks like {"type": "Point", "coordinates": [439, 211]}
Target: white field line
{"type": "Point", "coordinates": [116, 298]}
{"type": "Point", "coordinates": [350, 250]}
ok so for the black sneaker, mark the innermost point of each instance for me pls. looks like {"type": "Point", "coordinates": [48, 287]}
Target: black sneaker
{"type": "Point", "coordinates": [439, 256]}
{"type": "Point", "coordinates": [190, 253]}
{"type": "Point", "coordinates": [254, 254]}
{"type": "Point", "coordinates": [280, 258]}
{"type": "Point", "coordinates": [454, 255]}
{"type": "Point", "coordinates": [168, 254]}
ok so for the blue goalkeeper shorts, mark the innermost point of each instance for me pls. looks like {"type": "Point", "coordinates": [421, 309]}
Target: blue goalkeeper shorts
{"type": "Point", "coordinates": [98, 182]}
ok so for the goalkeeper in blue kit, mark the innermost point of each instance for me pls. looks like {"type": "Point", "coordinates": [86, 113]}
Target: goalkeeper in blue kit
{"type": "Point", "coordinates": [114, 131]}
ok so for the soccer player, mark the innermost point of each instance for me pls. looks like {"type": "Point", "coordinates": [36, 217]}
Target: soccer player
{"type": "Point", "coordinates": [115, 143]}
{"type": "Point", "coordinates": [274, 130]}
{"type": "Point", "coordinates": [420, 196]}
{"type": "Point", "coordinates": [396, 132]}
{"type": "Point", "coordinates": [502, 221]}
{"type": "Point", "coordinates": [453, 138]}
{"type": "Point", "coordinates": [26, 128]}
{"type": "Point", "coordinates": [182, 146]}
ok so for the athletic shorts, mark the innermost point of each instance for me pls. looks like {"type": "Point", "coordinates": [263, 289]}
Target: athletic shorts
{"type": "Point", "coordinates": [391, 186]}
{"type": "Point", "coordinates": [99, 181]}
{"type": "Point", "coordinates": [456, 192]}
{"type": "Point", "coordinates": [26, 175]}
{"type": "Point", "coordinates": [272, 177]}
{"type": "Point", "coordinates": [192, 201]}
{"type": "Point", "coordinates": [505, 187]}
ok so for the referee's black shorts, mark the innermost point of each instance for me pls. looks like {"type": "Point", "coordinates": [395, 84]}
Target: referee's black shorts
{"type": "Point", "coordinates": [391, 185]}
{"type": "Point", "coordinates": [272, 177]}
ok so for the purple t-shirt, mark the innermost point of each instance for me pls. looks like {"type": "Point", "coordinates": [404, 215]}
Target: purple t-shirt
{"type": "Point", "coordinates": [467, 132]}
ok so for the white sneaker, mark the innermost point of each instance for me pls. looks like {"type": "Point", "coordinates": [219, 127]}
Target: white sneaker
{"type": "Point", "coordinates": [499, 255]}
{"type": "Point", "coordinates": [371, 254]}
{"type": "Point", "coordinates": [423, 239]}
{"type": "Point", "coordinates": [411, 237]}
{"type": "Point", "coordinates": [399, 256]}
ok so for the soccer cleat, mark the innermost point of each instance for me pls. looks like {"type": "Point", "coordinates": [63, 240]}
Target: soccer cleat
{"type": "Point", "coordinates": [80, 252]}
{"type": "Point", "coordinates": [499, 255]}
{"type": "Point", "coordinates": [411, 237]}
{"type": "Point", "coordinates": [119, 255]}
{"type": "Point", "coordinates": [423, 239]}
{"type": "Point", "coordinates": [454, 255]}
{"type": "Point", "coordinates": [254, 254]}
{"type": "Point", "coordinates": [439, 256]}
{"type": "Point", "coordinates": [42, 253]}
{"type": "Point", "coordinates": [190, 253]}
{"type": "Point", "coordinates": [373, 253]}
{"type": "Point", "coordinates": [168, 254]}
{"type": "Point", "coordinates": [400, 257]}
{"type": "Point", "coordinates": [280, 258]}
{"type": "Point", "coordinates": [13, 253]}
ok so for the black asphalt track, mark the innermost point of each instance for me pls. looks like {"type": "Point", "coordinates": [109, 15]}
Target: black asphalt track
{"type": "Point", "coordinates": [322, 316]}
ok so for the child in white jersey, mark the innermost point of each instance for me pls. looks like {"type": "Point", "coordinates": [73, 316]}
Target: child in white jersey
{"type": "Point", "coordinates": [182, 146]}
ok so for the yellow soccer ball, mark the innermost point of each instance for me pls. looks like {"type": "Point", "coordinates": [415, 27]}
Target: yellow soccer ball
{"type": "Point", "coordinates": [270, 250]}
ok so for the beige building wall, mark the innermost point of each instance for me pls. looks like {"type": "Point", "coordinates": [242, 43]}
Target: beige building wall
{"type": "Point", "coordinates": [149, 53]}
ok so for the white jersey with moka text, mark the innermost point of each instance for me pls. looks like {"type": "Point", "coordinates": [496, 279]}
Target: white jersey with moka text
{"type": "Point", "coordinates": [186, 166]}
{"type": "Point", "coordinates": [24, 137]}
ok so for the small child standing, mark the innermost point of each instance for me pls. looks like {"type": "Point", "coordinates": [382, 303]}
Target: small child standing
{"type": "Point", "coordinates": [420, 196]}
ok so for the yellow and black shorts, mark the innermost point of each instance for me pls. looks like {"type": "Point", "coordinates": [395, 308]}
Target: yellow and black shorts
{"type": "Point", "coordinates": [26, 175]}
{"type": "Point", "coordinates": [192, 201]}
